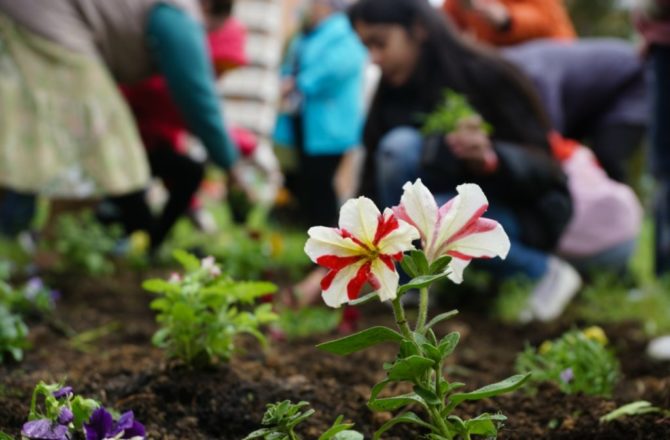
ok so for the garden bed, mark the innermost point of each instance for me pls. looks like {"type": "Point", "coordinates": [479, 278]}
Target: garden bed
{"type": "Point", "coordinates": [123, 370]}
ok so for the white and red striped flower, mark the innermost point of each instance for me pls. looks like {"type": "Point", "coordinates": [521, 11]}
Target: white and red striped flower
{"type": "Point", "coordinates": [456, 228]}
{"type": "Point", "coordinates": [362, 250]}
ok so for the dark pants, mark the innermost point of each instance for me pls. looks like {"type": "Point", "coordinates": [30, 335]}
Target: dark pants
{"type": "Point", "coordinates": [16, 212]}
{"type": "Point", "coordinates": [313, 185]}
{"type": "Point", "coordinates": [660, 146]}
{"type": "Point", "coordinates": [614, 145]}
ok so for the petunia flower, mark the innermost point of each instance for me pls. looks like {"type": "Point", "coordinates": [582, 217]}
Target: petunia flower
{"type": "Point", "coordinates": [101, 426]}
{"type": "Point", "coordinates": [457, 228]}
{"type": "Point", "coordinates": [44, 429]}
{"type": "Point", "coordinates": [362, 250]}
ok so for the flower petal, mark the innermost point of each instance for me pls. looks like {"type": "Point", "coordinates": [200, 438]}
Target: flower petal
{"type": "Point", "coordinates": [385, 280]}
{"type": "Point", "coordinates": [44, 429]}
{"type": "Point", "coordinates": [455, 269]}
{"type": "Point", "coordinates": [360, 217]}
{"type": "Point", "coordinates": [485, 238]}
{"type": "Point", "coordinates": [335, 285]}
{"type": "Point", "coordinates": [418, 208]}
{"type": "Point", "coordinates": [398, 239]}
{"type": "Point", "coordinates": [328, 241]}
{"type": "Point", "coordinates": [456, 215]}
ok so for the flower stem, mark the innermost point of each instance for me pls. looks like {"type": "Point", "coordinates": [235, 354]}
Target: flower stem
{"type": "Point", "coordinates": [438, 422]}
{"type": "Point", "coordinates": [400, 319]}
{"type": "Point", "coordinates": [423, 309]}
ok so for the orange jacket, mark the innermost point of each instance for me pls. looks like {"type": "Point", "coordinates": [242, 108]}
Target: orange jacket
{"type": "Point", "coordinates": [530, 19]}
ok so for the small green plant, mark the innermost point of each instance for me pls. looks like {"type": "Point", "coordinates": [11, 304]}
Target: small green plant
{"type": "Point", "coordinates": [454, 109]}
{"type": "Point", "coordinates": [638, 408]}
{"type": "Point", "coordinates": [13, 335]}
{"type": "Point", "coordinates": [512, 301]}
{"type": "Point", "coordinates": [578, 361]}
{"type": "Point", "coordinates": [308, 321]}
{"type": "Point", "coordinates": [363, 250]}
{"type": "Point", "coordinates": [34, 298]}
{"type": "Point", "coordinates": [85, 245]}
{"type": "Point", "coordinates": [201, 313]}
{"type": "Point", "coordinates": [281, 419]}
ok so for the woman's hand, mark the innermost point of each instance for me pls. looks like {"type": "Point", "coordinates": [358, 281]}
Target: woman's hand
{"type": "Point", "coordinates": [470, 143]}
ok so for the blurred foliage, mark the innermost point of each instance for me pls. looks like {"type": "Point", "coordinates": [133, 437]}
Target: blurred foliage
{"type": "Point", "coordinates": [599, 18]}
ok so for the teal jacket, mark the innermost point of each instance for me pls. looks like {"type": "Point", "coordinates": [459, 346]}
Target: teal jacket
{"type": "Point", "coordinates": [331, 64]}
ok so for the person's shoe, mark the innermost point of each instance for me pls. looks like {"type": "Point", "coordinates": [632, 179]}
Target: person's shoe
{"type": "Point", "coordinates": [659, 348]}
{"type": "Point", "coordinates": [554, 291]}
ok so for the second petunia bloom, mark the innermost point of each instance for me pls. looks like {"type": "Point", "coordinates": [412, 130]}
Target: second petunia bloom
{"type": "Point", "coordinates": [457, 228]}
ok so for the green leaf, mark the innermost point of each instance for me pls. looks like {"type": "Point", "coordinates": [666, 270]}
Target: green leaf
{"type": "Point", "coordinates": [363, 299]}
{"type": "Point", "coordinates": [484, 424]}
{"type": "Point", "coordinates": [4, 436]}
{"type": "Point", "coordinates": [409, 266]}
{"type": "Point", "coordinates": [448, 344]}
{"type": "Point", "coordinates": [408, 417]}
{"type": "Point", "coordinates": [82, 410]}
{"type": "Point", "coordinates": [631, 409]}
{"type": "Point", "coordinates": [348, 435]}
{"type": "Point", "coordinates": [410, 368]}
{"type": "Point", "coordinates": [341, 431]}
{"type": "Point", "coordinates": [260, 433]}
{"type": "Point", "coordinates": [395, 402]}
{"type": "Point", "coordinates": [441, 317]}
{"type": "Point", "coordinates": [358, 341]}
{"type": "Point", "coordinates": [505, 386]}
{"type": "Point", "coordinates": [419, 282]}
{"type": "Point", "coordinates": [157, 285]}
{"type": "Point", "coordinates": [420, 261]}
{"type": "Point", "coordinates": [439, 265]}
{"type": "Point", "coordinates": [428, 395]}
{"type": "Point", "coordinates": [248, 291]}
{"type": "Point", "coordinates": [188, 261]}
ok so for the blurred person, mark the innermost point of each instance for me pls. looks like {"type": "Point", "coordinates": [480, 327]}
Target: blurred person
{"type": "Point", "coordinates": [594, 91]}
{"type": "Point", "coordinates": [165, 135]}
{"type": "Point", "coordinates": [67, 132]}
{"type": "Point", "coordinates": [420, 55]}
{"type": "Point", "coordinates": [322, 114]}
{"type": "Point", "coordinates": [652, 18]}
{"type": "Point", "coordinates": [509, 22]}
{"type": "Point", "coordinates": [322, 106]}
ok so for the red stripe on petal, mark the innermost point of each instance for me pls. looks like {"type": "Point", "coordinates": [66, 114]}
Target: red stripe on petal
{"type": "Point", "coordinates": [385, 226]}
{"type": "Point", "coordinates": [346, 234]}
{"type": "Point", "coordinates": [471, 223]}
{"type": "Point", "coordinates": [336, 263]}
{"type": "Point", "coordinates": [328, 279]}
{"type": "Point", "coordinates": [460, 255]}
{"type": "Point", "coordinates": [388, 261]}
{"type": "Point", "coordinates": [399, 256]}
{"type": "Point", "coordinates": [374, 282]}
{"type": "Point", "coordinates": [479, 226]}
{"type": "Point", "coordinates": [358, 281]}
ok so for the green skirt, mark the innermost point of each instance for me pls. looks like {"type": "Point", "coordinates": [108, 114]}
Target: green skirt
{"type": "Point", "coordinates": [65, 130]}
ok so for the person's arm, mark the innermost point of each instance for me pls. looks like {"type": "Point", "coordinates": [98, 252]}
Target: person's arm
{"type": "Point", "coordinates": [179, 46]}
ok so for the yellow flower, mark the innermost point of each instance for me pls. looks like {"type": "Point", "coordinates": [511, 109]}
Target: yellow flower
{"type": "Point", "coordinates": [545, 347]}
{"type": "Point", "coordinates": [597, 334]}
{"type": "Point", "coordinates": [139, 243]}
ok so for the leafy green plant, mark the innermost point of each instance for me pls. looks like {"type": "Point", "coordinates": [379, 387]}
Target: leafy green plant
{"type": "Point", "coordinates": [578, 361]}
{"type": "Point", "coordinates": [84, 244]}
{"type": "Point", "coordinates": [363, 250]}
{"type": "Point", "coordinates": [454, 109]}
{"type": "Point", "coordinates": [202, 312]}
{"type": "Point", "coordinates": [638, 408]}
{"type": "Point", "coordinates": [308, 321]}
{"type": "Point", "coordinates": [13, 335]}
{"type": "Point", "coordinates": [281, 419]}
{"type": "Point", "coordinates": [34, 298]}
{"type": "Point", "coordinates": [512, 300]}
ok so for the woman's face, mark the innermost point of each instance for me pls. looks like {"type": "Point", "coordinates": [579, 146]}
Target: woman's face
{"type": "Point", "coordinates": [392, 48]}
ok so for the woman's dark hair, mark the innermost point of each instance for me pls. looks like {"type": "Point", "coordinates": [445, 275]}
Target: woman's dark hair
{"type": "Point", "coordinates": [501, 94]}
{"type": "Point", "coordinates": [220, 8]}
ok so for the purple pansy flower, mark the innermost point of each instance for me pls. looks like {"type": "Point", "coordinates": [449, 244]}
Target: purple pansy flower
{"type": "Point", "coordinates": [101, 426]}
{"type": "Point", "coordinates": [33, 287]}
{"type": "Point", "coordinates": [65, 416]}
{"type": "Point", "coordinates": [567, 375]}
{"type": "Point", "coordinates": [44, 429]}
{"type": "Point", "coordinates": [63, 392]}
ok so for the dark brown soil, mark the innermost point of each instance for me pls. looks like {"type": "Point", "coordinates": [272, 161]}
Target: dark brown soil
{"type": "Point", "coordinates": [227, 402]}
